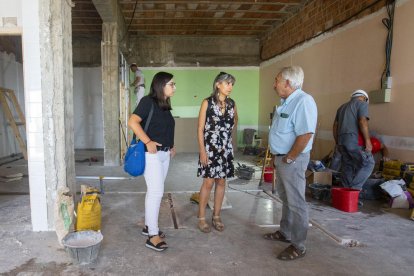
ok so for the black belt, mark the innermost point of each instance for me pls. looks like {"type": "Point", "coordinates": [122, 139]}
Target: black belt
{"type": "Point", "coordinates": [280, 154]}
{"type": "Point", "coordinates": [159, 148]}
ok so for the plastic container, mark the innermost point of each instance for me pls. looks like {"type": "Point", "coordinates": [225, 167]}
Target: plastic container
{"type": "Point", "coordinates": [83, 246]}
{"type": "Point", "coordinates": [345, 199]}
{"type": "Point", "coordinates": [320, 191]}
{"type": "Point", "coordinates": [268, 174]}
{"type": "Point", "coordinates": [244, 172]}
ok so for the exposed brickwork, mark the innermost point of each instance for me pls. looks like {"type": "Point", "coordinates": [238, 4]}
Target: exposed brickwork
{"type": "Point", "coordinates": [316, 17]}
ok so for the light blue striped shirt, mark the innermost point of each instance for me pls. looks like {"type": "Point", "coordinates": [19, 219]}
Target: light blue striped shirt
{"type": "Point", "coordinates": [297, 115]}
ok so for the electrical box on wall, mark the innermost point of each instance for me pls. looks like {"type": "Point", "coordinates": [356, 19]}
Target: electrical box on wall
{"type": "Point", "coordinates": [380, 96]}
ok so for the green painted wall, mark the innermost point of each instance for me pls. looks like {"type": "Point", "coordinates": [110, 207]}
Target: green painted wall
{"type": "Point", "coordinates": [195, 84]}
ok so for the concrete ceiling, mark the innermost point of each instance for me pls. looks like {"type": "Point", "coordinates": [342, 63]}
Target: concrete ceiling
{"type": "Point", "coordinates": [189, 18]}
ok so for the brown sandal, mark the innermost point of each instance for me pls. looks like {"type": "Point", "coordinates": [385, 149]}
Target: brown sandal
{"type": "Point", "coordinates": [276, 236]}
{"type": "Point", "coordinates": [203, 225]}
{"type": "Point", "coordinates": [218, 225]}
{"type": "Point", "coordinates": [291, 253]}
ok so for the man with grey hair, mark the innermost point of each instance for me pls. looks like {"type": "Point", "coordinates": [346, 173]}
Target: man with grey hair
{"type": "Point", "coordinates": [352, 139]}
{"type": "Point", "coordinates": [290, 139]}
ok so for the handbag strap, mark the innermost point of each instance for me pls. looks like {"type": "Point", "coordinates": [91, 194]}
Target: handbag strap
{"type": "Point", "coordinates": [134, 138]}
{"type": "Point", "coordinates": [149, 117]}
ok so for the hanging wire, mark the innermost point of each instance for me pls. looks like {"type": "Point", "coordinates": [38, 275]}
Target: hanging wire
{"type": "Point", "coordinates": [130, 21]}
{"type": "Point", "coordinates": [388, 23]}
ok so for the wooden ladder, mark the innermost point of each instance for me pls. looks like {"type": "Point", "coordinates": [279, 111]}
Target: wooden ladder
{"type": "Point", "coordinates": [9, 94]}
{"type": "Point", "coordinates": [267, 159]}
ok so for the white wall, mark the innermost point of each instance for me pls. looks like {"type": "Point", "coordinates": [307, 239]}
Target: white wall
{"type": "Point", "coordinates": [10, 16]}
{"type": "Point", "coordinates": [87, 102]}
{"type": "Point", "coordinates": [11, 77]}
{"type": "Point", "coordinates": [87, 98]}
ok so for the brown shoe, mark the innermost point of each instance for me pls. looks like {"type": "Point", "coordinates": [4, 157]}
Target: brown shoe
{"type": "Point", "coordinates": [218, 225]}
{"type": "Point", "coordinates": [291, 253]}
{"type": "Point", "coordinates": [276, 236]}
{"type": "Point", "coordinates": [203, 225]}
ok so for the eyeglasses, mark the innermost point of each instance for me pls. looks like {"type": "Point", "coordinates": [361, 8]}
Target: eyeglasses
{"type": "Point", "coordinates": [172, 84]}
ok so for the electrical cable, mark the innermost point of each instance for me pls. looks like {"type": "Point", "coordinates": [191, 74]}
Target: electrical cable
{"type": "Point", "coordinates": [132, 18]}
{"type": "Point", "coordinates": [388, 23]}
{"type": "Point", "coordinates": [246, 192]}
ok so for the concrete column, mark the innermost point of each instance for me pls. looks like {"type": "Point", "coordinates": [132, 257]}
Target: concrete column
{"type": "Point", "coordinates": [48, 75]}
{"type": "Point", "coordinates": [110, 93]}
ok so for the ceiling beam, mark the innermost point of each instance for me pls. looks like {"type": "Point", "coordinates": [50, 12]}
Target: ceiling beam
{"type": "Point", "coordinates": [107, 9]}
{"type": "Point", "coordinates": [110, 11]}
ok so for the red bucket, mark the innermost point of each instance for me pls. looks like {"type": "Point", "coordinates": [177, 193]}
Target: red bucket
{"type": "Point", "coordinates": [268, 174]}
{"type": "Point", "coordinates": [345, 199]}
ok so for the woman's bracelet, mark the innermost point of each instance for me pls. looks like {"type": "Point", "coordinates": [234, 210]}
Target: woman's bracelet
{"type": "Point", "coordinates": [147, 142]}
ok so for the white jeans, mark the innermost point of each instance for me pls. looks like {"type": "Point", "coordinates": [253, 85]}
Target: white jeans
{"type": "Point", "coordinates": [156, 168]}
{"type": "Point", "coordinates": [139, 93]}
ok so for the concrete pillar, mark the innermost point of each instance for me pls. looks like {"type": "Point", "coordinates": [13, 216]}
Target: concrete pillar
{"type": "Point", "coordinates": [48, 77]}
{"type": "Point", "coordinates": [110, 93]}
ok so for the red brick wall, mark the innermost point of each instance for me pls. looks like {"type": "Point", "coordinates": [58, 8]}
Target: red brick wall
{"type": "Point", "coordinates": [316, 17]}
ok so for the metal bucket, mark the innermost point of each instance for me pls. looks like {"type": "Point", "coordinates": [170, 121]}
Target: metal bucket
{"type": "Point", "coordinates": [83, 246]}
{"type": "Point", "coordinates": [320, 191]}
{"type": "Point", "coordinates": [244, 172]}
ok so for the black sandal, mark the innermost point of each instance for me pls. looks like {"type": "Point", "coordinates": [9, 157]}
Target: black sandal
{"type": "Point", "coordinates": [276, 236]}
{"type": "Point", "coordinates": [291, 253]}
{"type": "Point", "coordinates": [161, 246]}
{"type": "Point", "coordinates": [145, 232]}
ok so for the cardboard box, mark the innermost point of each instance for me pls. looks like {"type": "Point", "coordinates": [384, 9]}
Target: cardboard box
{"type": "Point", "coordinates": [318, 177]}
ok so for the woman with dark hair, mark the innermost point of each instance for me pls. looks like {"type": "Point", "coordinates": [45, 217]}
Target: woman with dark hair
{"type": "Point", "coordinates": [216, 120]}
{"type": "Point", "coordinates": [159, 142]}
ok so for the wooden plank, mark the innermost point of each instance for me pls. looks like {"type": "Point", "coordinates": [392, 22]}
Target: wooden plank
{"type": "Point", "coordinates": [123, 113]}
{"type": "Point", "coordinates": [17, 108]}
{"type": "Point", "coordinates": [10, 119]}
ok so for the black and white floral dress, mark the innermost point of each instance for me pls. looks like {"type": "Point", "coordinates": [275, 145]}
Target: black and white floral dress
{"type": "Point", "coordinates": [218, 141]}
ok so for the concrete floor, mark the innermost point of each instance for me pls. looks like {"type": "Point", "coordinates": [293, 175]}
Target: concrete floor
{"type": "Point", "coordinates": [384, 236]}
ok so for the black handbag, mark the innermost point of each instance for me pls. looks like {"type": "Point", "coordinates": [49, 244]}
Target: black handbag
{"type": "Point", "coordinates": [134, 162]}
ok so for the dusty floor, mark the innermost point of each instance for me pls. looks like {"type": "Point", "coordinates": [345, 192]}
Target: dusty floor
{"type": "Point", "coordinates": [384, 235]}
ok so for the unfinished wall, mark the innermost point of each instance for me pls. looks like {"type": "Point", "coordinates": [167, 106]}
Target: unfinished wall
{"type": "Point", "coordinates": [86, 51]}
{"type": "Point", "coordinates": [352, 57]}
{"type": "Point", "coordinates": [11, 77]}
{"type": "Point", "coordinates": [193, 51]}
{"type": "Point", "coordinates": [87, 105]}
{"type": "Point", "coordinates": [316, 17]}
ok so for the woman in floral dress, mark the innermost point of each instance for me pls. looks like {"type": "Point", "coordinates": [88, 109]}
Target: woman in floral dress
{"type": "Point", "coordinates": [216, 120]}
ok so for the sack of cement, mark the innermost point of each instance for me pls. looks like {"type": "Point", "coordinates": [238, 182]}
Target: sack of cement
{"type": "Point", "coordinates": [89, 210]}
{"type": "Point", "coordinates": [64, 208]}
{"type": "Point", "coordinates": [403, 201]}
